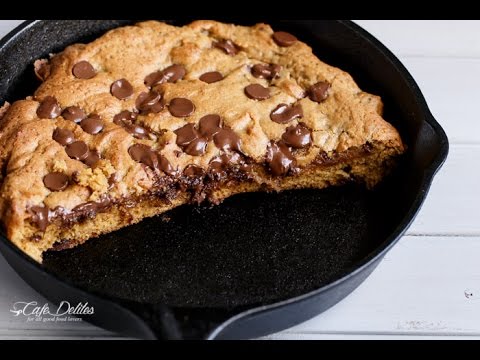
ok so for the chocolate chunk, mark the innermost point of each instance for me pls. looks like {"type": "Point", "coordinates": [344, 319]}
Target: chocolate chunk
{"type": "Point", "coordinates": [264, 71]}
{"type": "Point", "coordinates": [150, 102]}
{"type": "Point", "coordinates": [63, 136]}
{"type": "Point", "coordinates": [283, 113]}
{"type": "Point", "coordinates": [186, 134]}
{"type": "Point", "coordinates": [40, 216]}
{"type": "Point", "coordinates": [319, 91]}
{"type": "Point", "coordinates": [227, 140]}
{"type": "Point", "coordinates": [284, 39]}
{"type": "Point", "coordinates": [55, 181]}
{"type": "Point", "coordinates": [279, 158]}
{"type": "Point", "coordinates": [74, 113]}
{"type": "Point", "coordinates": [181, 107]}
{"type": "Point", "coordinates": [297, 136]}
{"type": "Point", "coordinates": [171, 74]}
{"type": "Point", "coordinates": [209, 125]}
{"type": "Point", "coordinates": [92, 125]}
{"type": "Point", "coordinates": [226, 45]}
{"type": "Point", "coordinates": [121, 89]}
{"type": "Point", "coordinates": [143, 154]}
{"type": "Point", "coordinates": [196, 147]}
{"type": "Point", "coordinates": [49, 108]}
{"type": "Point", "coordinates": [257, 92]}
{"type": "Point", "coordinates": [92, 158]}
{"type": "Point", "coordinates": [83, 70]}
{"type": "Point", "coordinates": [123, 116]}
{"type": "Point", "coordinates": [211, 77]}
{"type": "Point", "coordinates": [194, 170]}
{"type": "Point", "coordinates": [77, 150]}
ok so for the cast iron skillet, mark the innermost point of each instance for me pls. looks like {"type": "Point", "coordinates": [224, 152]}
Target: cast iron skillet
{"type": "Point", "coordinates": [258, 263]}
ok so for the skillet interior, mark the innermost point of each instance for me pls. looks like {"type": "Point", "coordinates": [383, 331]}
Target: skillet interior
{"type": "Point", "coordinates": [254, 249]}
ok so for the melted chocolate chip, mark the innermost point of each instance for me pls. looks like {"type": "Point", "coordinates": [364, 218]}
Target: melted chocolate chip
{"type": "Point", "coordinates": [77, 150]}
{"type": "Point", "coordinates": [83, 70]}
{"type": "Point", "coordinates": [264, 71]}
{"type": "Point", "coordinates": [194, 170]}
{"type": "Point", "coordinates": [297, 136]}
{"type": "Point", "coordinates": [150, 102]}
{"type": "Point", "coordinates": [63, 136]}
{"type": "Point", "coordinates": [165, 165]}
{"type": "Point", "coordinates": [144, 154]}
{"type": "Point", "coordinates": [283, 113]}
{"type": "Point", "coordinates": [186, 134]}
{"type": "Point", "coordinates": [123, 116]}
{"type": "Point", "coordinates": [209, 125]}
{"type": "Point", "coordinates": [211, 77]}
{"type": "Point", "coordinates": [181, 107]}
{"type": "Point", "coordinates": [227, 140]}
{"type": "Point", "coordinates": [196, 147]}
{"type": "Point", "coordinates": [49, 108]}
{"type": "Point", "coordinates": [319, 91]}
{"type": "Point", "coordinates": [226, 45]}
{"type": "Point", "coordinates": [121, 89]}
{"type": "Point", "coordinates": [257, 92]}
{"type": "Point", "coordinates": [55, 181]}
{"type": "Point", "coordinates": [92, 125]}
{"type": "Point", "coordinates": [284, 39]}
{"type": "Point", "coordinates": [136, 131]}
{"type": "Point", "coordinates": [92, 158]}
{"type": "Point", "coordinates": [74, 113]}
{"type": "Point", "coordinates": [40, 216]}
{"type": "Point", "coordinates": [280, 159]}
{"type": "Point", "coordinates": [171, 74]}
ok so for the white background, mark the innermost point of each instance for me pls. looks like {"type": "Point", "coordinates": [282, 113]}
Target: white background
{"type": "Point", "coordinates": [428, 286]}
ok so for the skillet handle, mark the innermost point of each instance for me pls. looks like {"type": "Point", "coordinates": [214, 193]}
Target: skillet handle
{"type": "Point", "coordinates": [168, 323]}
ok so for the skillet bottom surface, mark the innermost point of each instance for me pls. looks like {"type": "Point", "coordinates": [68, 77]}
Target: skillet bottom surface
{"type": "Point", "coordinates": [252, 249]}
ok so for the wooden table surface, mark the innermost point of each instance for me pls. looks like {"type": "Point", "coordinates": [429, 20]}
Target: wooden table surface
{"type": "Point", "coordinates": [428, 286]}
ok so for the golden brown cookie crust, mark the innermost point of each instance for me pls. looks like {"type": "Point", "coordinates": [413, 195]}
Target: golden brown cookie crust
{"type": "Point", "coordinates": [348, 119]}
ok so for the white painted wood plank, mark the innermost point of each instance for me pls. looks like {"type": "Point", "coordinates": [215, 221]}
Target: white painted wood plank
{"type": "Point", "coordinates": [453, 205]}
{"type": "Point", "coordinates": [7, 25]}
{"type": "Point", "coordinates": [425, 286]}
{"type": "Point", "coordinates": [316, 336]}
{"type": "Point", "coordinates": [455, 38]}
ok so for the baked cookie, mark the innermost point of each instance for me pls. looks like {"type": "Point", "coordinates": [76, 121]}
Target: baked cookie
{"type": "Point", "coordinates": [152, 116]}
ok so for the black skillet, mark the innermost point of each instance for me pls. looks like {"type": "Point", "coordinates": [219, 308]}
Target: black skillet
{"type": "Point", "coordinates": [258, 263]}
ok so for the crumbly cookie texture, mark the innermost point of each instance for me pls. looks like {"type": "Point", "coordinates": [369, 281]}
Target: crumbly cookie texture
{"type": "Point", "coordinates": [152, 116]}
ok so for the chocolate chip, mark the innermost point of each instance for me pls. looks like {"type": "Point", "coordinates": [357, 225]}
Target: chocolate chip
{"type": "Point", "coordinates": [55, 181]}
{"type": "Point", "coordinates": [211, 77]}
{"type": "Point", "coordinates": [279, 158]}
{"type": "Point", "coordinates": [264, 71]}
{"type": "Point", "coordinates": [40, 216]}
{"type": "Point", "coordinates": [136, 131]}
{"type": "Point", "coordinates": [121, 89]}
{"type": "Point", "coordinates": [319, 91]}
{"type": "Point", "coordinates": [297, 136]}
{"type": "Point", "coordinates": [124, 116]}
{"type": "Point", "coordinates": [92, 125]}
{"type": "Point", "coordinates": [180, 107]}
{"type": "Point", "coordinates": [227, 140]}
{"type": "Point", "coordinates": [143, 154]}
{"type": "Point", "coordinates": [74, 113]}
{"type": "Point", "coordinates": [171, 74]}
{"type": "Point", "coordinates": [92, 158]}
{"type": "Point", "coordinates": [190, 141]}
{"type": "Point", "coordinates": [209, 125]}
{"type": "Point", "coordinates": [194, 170]}
{"type": "Point", "coordinates": [257, 92]}
{"type": "Point", "coordinates": [150, 102]}
{"type": "Point", "coordinates": [49, 108]}
{"type": "Point", "coordinates": [284, 39]}
{"type": "Point", "coordinates": [165, 165]}
{"type": "Point", "coordinates": [284, 113]}
{"type": "Point", "coordinates": [83, 70]}
{"type": "Point", "coordinates": [226, 45]}
{"type": "Point", "coordinates": [186, 134]}
{"type": "Point", "coordinates": [63, 136]}
{"type": "Point", "coordinates": [77, 150]}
